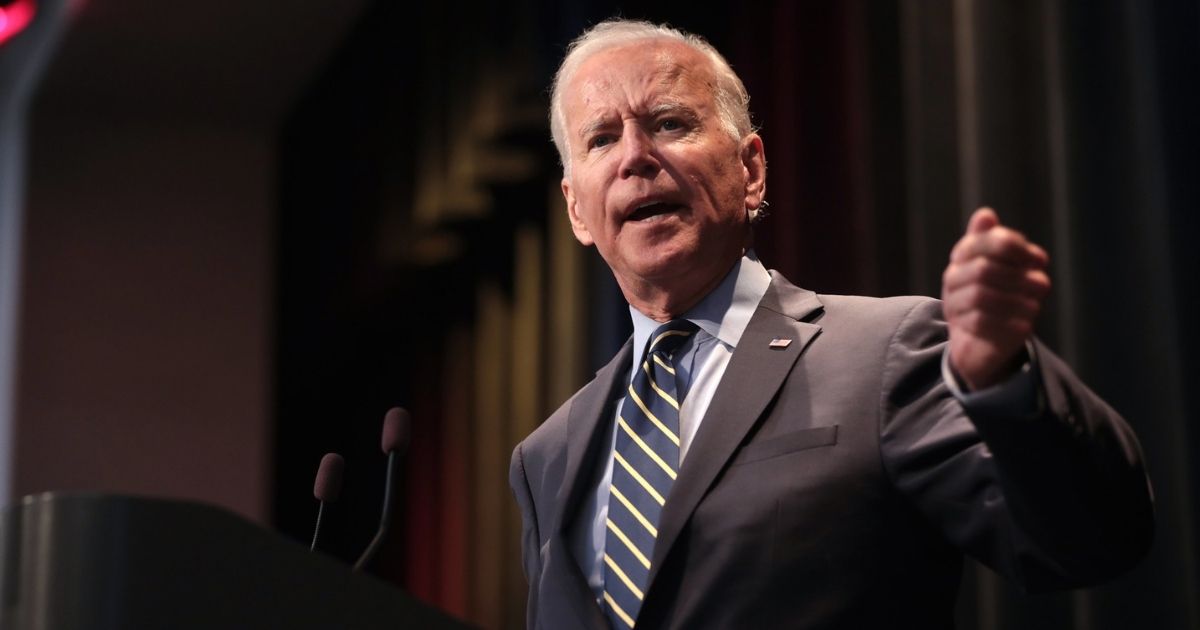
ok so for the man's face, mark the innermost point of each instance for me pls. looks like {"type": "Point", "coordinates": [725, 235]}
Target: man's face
{"type": "Point", "coordinates": [656, 182]}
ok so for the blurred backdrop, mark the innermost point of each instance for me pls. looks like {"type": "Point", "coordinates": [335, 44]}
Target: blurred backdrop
{"type": "Point", "coordinates": [235, 233]}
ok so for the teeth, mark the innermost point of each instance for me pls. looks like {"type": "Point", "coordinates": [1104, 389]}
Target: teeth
{"type": "Point", "coordinates": [647, 204]}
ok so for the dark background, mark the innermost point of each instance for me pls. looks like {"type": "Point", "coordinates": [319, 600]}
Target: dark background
{"type": "Point", "coordinates": [252, 228]}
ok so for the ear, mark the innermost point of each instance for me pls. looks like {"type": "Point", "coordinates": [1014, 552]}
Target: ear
{"type": "Point", "coordinates": [577, 225]}
{"type": "Point", "coordinates": [754, 170]}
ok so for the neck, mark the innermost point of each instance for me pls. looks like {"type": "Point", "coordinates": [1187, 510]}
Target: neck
{"type": "Point", "coordinates": [664, 303]}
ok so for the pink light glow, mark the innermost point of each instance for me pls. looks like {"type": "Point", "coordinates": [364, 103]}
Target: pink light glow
{"type": "Point", "coordinates": [14, 18]}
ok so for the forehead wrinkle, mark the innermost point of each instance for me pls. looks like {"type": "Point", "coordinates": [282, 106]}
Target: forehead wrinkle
{"type": "Point", "coordinates": [668, 68]}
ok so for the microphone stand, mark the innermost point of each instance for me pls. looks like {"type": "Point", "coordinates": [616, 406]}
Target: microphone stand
{"type": "Point", "coordinates": [385, 520]}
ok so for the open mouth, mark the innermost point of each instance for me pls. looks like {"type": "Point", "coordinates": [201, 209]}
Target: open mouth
{"type": "Point", "coordinates": [652, 210]}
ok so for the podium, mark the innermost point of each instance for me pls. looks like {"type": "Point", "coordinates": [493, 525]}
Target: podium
{"type": "Point", "coordinates": [103, 562]}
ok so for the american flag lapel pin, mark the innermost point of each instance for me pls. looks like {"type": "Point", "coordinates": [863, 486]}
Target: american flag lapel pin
{"type": "Point", "coordinates": [779, 343]}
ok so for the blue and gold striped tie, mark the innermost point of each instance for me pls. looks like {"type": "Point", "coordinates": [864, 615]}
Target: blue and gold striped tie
{"type": "Point", "coordinates": [645, 463]}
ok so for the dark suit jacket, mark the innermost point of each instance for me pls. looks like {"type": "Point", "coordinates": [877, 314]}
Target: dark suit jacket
{"type": "Point", "coordinates": [835, 483]}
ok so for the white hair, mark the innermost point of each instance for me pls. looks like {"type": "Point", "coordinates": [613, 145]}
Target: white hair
{"type": "Point", "coordinates": [732, 100]}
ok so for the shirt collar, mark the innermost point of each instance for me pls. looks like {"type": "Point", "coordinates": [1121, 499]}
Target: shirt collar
{"type": "Point", "coordinates": [724, 313]}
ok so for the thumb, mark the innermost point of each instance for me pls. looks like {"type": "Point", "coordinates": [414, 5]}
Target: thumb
{"type": "Point", "coordinates": [982, 220]}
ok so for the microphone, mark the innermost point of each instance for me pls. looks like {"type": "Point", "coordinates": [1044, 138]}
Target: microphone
{"type": "Point", "coordinates": [326, 488]}
{"type": "Point", "coordinates": [395, 439]}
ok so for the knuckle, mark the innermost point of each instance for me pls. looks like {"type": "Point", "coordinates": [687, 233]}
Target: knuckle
{"type": "Point", "coordinates": [970, 294]}
{"type": "Point", "coordinates": [1021, 327]}
{"type": "Point", "coordinates": [1005, 242]}
{"type": "Point", "coordinates": [980, 269]}
{"type": "Point", "coordinates": [958, 252]}
{"type": "Point", "coordinates": [1046, 285]}
{"type": "Point", "coordinates": [1011, 236]}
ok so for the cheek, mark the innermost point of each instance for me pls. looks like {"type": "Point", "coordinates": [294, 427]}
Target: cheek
{"type": "Point", "coordinates": [719, 173]}
{"type": "Point", "coordinates": [591, 210]}
{"type": "Point", "coordinates": [590, 194]}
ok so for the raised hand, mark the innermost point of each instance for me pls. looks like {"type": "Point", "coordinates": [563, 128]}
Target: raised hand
{"type": "Point", "coordinates": [992, 292]}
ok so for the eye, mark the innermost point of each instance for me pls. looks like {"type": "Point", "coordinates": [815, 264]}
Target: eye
{"type": "Point", "coordinates": [671, 125]}
{"type": "Point", "coordinates": [600, 141]}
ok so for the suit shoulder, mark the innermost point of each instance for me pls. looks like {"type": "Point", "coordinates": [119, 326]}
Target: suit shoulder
{"type": "Point", "coordinates": [881, 313]}
{"type": "Point", "coordinates": [552, 432]}
{"type": "Point", "coordinates": [539, 460]}
{"type": "Point", "coordinates": [548, 442]}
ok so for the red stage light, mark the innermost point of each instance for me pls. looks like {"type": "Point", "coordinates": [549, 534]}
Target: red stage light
{"type": "Point", "coordinates": [14, 18]}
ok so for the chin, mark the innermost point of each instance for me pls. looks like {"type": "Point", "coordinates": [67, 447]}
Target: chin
{"type": "Point", "coordinates": [666, 264]}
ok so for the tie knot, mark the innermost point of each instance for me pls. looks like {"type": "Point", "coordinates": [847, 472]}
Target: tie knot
{"type": "Point", "coordinates": [667, 338]}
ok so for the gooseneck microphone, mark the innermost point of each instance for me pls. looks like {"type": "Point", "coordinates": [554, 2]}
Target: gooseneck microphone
{"type": "Point", "coordinates": [326, 488]}
{"type": "Point", "coordinates": [395, 439]}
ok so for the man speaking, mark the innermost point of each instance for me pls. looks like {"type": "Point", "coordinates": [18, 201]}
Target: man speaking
{"type": "Point", "coordinates": [760, 456]}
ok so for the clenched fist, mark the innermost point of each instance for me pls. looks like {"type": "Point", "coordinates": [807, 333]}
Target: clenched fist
{"type": "Point", "coordinates": [992, 292]}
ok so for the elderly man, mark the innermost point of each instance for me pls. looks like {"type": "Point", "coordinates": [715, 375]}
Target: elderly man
{"type": "Point", "coordinates": [760, 456]}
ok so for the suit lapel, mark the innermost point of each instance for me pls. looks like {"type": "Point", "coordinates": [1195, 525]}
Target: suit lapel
{"type": "Point", "coordinates": [754, 374]}
{"type": "Point", "coordinates": [584, 432]}
{"type": "Point", "coordinates": [585, 421]}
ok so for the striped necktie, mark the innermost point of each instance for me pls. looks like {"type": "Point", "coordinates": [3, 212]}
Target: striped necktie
{"type": "Point", "coordinates": [645, 463]}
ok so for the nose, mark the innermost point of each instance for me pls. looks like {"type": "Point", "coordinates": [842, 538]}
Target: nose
{"type": "Point", "coordinates": [638, 157]}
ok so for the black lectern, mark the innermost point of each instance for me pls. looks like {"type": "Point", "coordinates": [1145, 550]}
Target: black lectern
{"type": "Point", "coordinates": [92, 562]}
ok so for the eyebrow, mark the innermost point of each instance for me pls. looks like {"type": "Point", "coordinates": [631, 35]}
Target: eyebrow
{"type": "Point", "coordinates": [672, 107]}
{"type": "Point", "coordinates": [592, 127]}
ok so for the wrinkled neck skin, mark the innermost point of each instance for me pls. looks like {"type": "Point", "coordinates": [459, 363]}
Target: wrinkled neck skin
{"type": "Point", "coordinates": [663, 301]}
